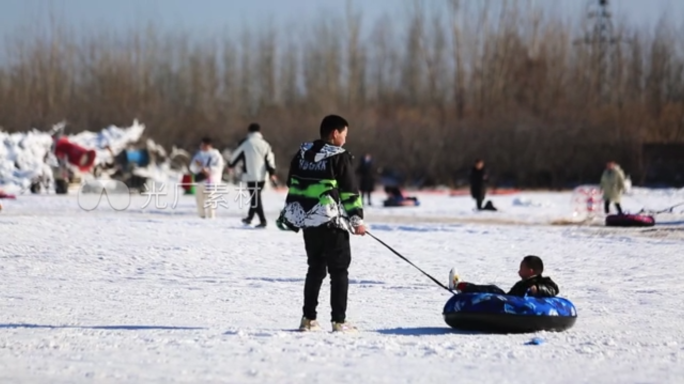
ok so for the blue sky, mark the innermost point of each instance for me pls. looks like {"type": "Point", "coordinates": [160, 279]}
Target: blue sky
{"type": "Point", "coordinates": [202, 17]}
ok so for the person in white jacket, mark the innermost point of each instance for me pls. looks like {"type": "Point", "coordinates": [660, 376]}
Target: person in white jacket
{"type": "Point", "coordinates": [207, 167]}
{"type": "Point", "coordinates": [257, 162]}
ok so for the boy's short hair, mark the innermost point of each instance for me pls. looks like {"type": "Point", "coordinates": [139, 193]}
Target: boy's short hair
{"type": "Point", "coordinates": [332, 123]}
{"type": "Point", "coordinates": [254, 127]}
{"type": "Point", "coordinates": [206, 140]}
{"type": "Point", "coordinates": [534, 263]}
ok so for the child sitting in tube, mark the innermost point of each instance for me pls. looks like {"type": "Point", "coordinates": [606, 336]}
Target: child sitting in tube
{"type": "Point", "coordinates": [532, 283]}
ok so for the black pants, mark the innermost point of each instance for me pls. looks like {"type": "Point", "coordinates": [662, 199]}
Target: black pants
{"type": "Point", "coordinates": [255, 204]}
{"type": "Point", "coordinates": [477, 288]}
{"type": "Point", "coordinates": [606, 207]}
{"type": "Point", "coordinates": [366, 197]}
{"type": "Point", "coordinates": [329, 249]}
{"type": "Point", "coordinates": [479, 197]}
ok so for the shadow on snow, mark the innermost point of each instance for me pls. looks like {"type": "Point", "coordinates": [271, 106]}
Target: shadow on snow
{"type": "Point", "coordinates": [425, 331]}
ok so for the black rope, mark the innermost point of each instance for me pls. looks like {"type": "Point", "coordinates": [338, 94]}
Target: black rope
{"type": "Point", "coordinates": [666, 210]}
{"type": "Point", "coordinates": [409, 261]}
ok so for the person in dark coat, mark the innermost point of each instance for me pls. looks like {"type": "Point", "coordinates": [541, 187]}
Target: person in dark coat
{"type": "Point", "coordinates": [366, 174]}
{"type": "Point", "coordinates": [532, 283]}
{"type": "Point", "coordinates": [478, 183]}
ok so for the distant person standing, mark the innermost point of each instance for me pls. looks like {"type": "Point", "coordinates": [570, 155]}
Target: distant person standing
{"type": "Point", "coordinates": [207, 168]}
{"type": "Point", "coordinates": [366, 173]}
{"type": "Point", "coordinates": [612, 185]}
{"type": "Point", "coordinates": [257, 162]}
{"type": "Point", "coordinates": [478, 183]}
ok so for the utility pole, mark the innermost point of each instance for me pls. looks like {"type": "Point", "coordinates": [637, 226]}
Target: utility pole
{"type": "Point", "coordinates": [601, 40]}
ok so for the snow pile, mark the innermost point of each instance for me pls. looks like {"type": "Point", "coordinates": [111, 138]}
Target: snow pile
{"type": "Point", "coordinates": [113, 137]}
{"type": "Point", "coordinates": [25, 156]}
{"type": "Point", "coordinates": [160, 170]}
{"type": "Point", "coordinates": [22, 158]}
{"type": "Point", "coordinates": [164, 171]}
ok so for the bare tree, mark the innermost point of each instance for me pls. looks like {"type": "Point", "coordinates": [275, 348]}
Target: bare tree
{"type": "Point", "coordinates": [457, 80]}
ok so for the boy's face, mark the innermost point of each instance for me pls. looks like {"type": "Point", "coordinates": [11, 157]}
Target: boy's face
{"type": "Point", "coordinates": [339, 138]}
{"type": "Point", "coordinates": [525, 272]}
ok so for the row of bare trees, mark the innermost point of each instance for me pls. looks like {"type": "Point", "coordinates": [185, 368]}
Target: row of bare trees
{"type": "Point", "coordinates": [454, 81]}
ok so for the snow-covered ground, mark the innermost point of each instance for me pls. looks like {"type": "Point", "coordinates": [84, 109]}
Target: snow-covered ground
{"type": "Point", "coordinates": [156, 295]}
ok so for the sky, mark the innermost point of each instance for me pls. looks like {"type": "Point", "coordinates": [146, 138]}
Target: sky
{"type": "Point", "coordinates": [206, 17]}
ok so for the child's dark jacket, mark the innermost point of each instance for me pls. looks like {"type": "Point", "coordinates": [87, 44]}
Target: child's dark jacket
{"type": "Point", "coordinates": [545, 287]}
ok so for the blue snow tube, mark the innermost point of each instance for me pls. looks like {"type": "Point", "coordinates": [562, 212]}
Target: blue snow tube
{"type": "Point", "coordinates": [496, 313]}
{"type": "Point", "coordinates": [139, 157]}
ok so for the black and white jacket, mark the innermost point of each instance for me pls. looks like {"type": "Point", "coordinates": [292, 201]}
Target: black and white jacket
{"type": "Point", "coordinates": [322, 190]}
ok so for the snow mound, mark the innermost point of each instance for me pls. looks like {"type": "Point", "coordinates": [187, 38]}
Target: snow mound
{"type": "Point", "coordinates": [25, 156]}
{"type": "Point", "coordinates": [113, 137]}
{"type": "Point", "coordinates": [22, 158]}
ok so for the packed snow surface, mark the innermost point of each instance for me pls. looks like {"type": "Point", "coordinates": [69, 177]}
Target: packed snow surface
{"type": "Point", "coordinates": [153, 294]}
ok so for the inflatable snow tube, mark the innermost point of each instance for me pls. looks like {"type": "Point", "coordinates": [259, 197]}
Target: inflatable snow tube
{"type": "Point", "coordinates": [496, 313]}
{"type": "Point", "coordinates": [139, 157]}
{"type": "Point", "coordinates": [4, 195]}
{"type": "Point", "coordinates": [630, 221]}
{"type": "Point", "coordinates": [82, 158]}
{"type": "Point", "coordinates": [401, 202]}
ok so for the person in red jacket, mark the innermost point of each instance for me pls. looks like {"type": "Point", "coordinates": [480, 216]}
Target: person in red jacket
{"type": "Point", "coordinates": [532, 283]}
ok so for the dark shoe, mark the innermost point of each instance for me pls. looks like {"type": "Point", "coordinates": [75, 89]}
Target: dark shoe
{"type": "Point", "coordinates": [260, 225]}
{"type": "Point", "coordinates": [247, 221]}
{"type": "Point", "coordinates": [489, 206]}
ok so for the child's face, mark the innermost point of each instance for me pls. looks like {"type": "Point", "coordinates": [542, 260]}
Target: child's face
{"type": "Point", "coordinates": [525, 272]}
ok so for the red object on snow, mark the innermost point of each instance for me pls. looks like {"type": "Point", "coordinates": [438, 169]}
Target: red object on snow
{"type": "Point", "coordinates": [187, 182]}
{"type": "Point", "coordinates": [628, 220]}
{"type": "Point", "coordinates": [4, 195]}
{"type": "Point", "coordinates": [75, 154]}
